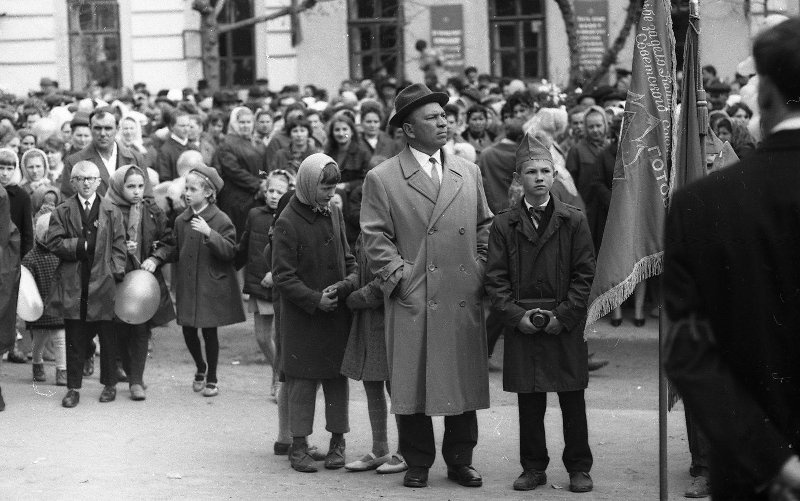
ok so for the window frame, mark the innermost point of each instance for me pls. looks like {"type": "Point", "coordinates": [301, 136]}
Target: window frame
{"type": "Point", "coordinates": [76, 33]}
{"type": "Point", "coordinates": [518, 20]}
{"type": "Point", "coordinates": [229, 59]}
{"type": "Point", "coordinates": [354, 51]}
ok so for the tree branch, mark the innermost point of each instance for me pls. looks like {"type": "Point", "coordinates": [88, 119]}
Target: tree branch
{"type": "Point", "coordinates": [285, 11]}
{"type": "Point", "coordinates": [218, 8]}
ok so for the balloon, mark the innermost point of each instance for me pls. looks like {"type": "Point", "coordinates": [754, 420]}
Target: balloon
{"type": "Point", "coordinates": [137, 298]}
{"type": "Point", "coordinates": [29, 302]}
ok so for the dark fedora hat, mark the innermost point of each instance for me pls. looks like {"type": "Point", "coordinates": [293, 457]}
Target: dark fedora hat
{"type": "Point", "coordinates": [411, 98]}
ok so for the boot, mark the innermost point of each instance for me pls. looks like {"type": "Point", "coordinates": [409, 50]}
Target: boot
{"type": "Point", "coordinates": [38, 373]}
{"type": "Point", "coordinates": [300, 459]}
{"type": "Point", "coordinates": [61, 377]}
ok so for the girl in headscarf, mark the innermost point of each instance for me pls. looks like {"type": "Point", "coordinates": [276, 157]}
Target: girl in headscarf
{"type": "Point", "coordinates": [239, 162]}
{"type": "Point", "coordinates": [35, 168]}
{"type": "Point", "coordinates": [314, 272]}
{"type": "Point", "coordinates": [146, 233]}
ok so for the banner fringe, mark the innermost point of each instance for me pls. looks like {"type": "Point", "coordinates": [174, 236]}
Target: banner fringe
{"type": "Point", "coordinates": [645, 268]}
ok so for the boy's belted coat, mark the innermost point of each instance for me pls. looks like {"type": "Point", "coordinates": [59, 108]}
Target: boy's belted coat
{"type": "Point", "coordinates": [429, 252]}
{"type": "Point", "coordinates": [557, 264]}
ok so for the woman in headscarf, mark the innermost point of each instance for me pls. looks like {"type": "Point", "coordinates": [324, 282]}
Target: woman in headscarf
{"type": "Point", "coordinates": [129, 133]}
{"type": "Point", "coordinates": [239, 162]}
{"type": "Point", "coordinates": [583, 156]}
{"type": "Point", "coordinates": [146, 231]}
{"type": "Point", "coordinates": [35, 168]}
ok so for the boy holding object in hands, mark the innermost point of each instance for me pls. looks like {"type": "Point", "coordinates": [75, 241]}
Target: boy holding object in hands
{"type": "Point", "coordinates": [539, 273]}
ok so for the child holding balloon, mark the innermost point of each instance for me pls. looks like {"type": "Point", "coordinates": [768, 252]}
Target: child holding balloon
{"type": "Point", "coordinates": [207, 292]}
{"type": "Point", "coordinates": [42, 264]}
{"type": "Point", "coordinates": [147, 241]}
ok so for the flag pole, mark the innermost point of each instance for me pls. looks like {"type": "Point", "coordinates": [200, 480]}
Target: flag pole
{"type": "Point", "coordinates": [663, 404]}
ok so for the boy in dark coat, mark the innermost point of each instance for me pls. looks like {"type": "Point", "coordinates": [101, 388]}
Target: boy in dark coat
{"type": "Point", "coordinates": [314, 272]}
{"type": "Point", "coordinates": [539, 273]}
{"type": "Point", "coordinates": [88, 235]}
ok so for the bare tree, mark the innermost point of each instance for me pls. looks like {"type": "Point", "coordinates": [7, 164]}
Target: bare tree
{"type": "Point", "coordinates": [211, 29]}
{"type": "Point", "coordinates": [577, 78]}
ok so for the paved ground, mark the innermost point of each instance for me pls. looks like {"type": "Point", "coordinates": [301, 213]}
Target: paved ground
{"type": "Point", "coordinates": [178, 444]}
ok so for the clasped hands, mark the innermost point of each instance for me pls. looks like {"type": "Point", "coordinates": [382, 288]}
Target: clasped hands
{"type": "Point", "coordinates": [329, 299]}
{"type": "Point", "coordinates": [553, 327]}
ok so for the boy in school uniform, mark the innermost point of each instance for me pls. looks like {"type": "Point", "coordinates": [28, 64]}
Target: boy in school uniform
{"type": "Point", "coordinates": [539, 273]}
{"type": "Point", "coordinates": [88, 235]}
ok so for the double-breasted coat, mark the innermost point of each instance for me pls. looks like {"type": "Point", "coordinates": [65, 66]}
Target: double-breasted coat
{"type": "Point", "coordinates": [108, 266]}
{"type": "Point", "coordinates": [556, 264]}
{"type": "Point", "coordinates": [430, 253]}
{"type": "Point", "coordinates": [310, 253]}
{"type": "Point", "coordinates": [207, 293]}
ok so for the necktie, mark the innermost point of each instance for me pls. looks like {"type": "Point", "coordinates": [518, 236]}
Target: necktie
{"type": "Point", "coordinates": [536, 214]}
{"type": "Point", "coordinates": [435, 174]}
{"type": "Point", "coordinates": [88, 206]}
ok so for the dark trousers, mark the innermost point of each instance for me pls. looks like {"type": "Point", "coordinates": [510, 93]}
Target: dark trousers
{"type": "Point", "coordinates": [698, 447]}
{"type": "Point", "coordinates": [133, 340]}
{"type": "Point", "coordinates": [79, 333]}
{"type": "Point", "coordinates": [302, 402]}
{"type": "Point", "coordinates": [532, 445]}
{"type": "Point", "coordinates": [417, 445]}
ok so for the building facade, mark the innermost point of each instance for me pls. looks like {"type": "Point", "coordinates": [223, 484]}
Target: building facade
{"type": "Point", "coordinates": [120, 42]}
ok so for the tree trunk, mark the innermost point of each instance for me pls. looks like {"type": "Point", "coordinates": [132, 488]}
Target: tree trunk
{"type": "Point", "coordinates": [571, 25]}
{"type": "Point", "coordinates": [209, 38]}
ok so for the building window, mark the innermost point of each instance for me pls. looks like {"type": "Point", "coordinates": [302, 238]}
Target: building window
{"type": "Point", "coordinates": [94, 43]}
{"type": "Point", "coordinates": [376, 38]}
{"type": "Point", "coordinates": [517, 38]}
{"type": "Point", "coordinates": [237, 61]}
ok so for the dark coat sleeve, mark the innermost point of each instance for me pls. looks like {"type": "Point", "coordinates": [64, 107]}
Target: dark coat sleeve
{"type": "Point", "coordinates": [573, 310]}
{"type": "Point", "coordinates": [26, 228]}
{"type": "Point", "coordinates": [284, 268]}
{"type": "Point", "coordinates": [165, 162]}
{"type": "Point", "coordinates": [498, 279]}
{"type": "Point", "coordinates": [703, 379]}
{"type": "Point", "coordinates": [58, 241]}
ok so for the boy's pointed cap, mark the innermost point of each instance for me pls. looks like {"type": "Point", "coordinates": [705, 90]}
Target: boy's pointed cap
{"type": "Point", "coordinates": [531, 148]}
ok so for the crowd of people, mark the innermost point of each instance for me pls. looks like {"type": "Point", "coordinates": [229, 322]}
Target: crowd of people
{"type": "Point", "coordinates": [362, 227]}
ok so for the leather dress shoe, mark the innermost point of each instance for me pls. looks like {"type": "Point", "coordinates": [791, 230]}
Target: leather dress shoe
{"type": "Point", "coordinates": [529, 480]}
{"type": "Point", "coordinates": [465, 475]}
{"type": "Point", "coordinates": [71, 399]}
{"type": "Point", "coordinates": [109, 394]}
{"type": "Point", "coordinates": [580, 481]}
{"type": "Point", "coordinates": [416, 476]}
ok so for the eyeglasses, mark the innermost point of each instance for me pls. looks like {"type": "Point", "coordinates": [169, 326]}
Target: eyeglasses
{"type": "Point", "coordinates": [87, 179]}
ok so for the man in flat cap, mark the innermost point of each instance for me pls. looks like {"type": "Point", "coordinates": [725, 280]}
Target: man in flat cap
{"type": "Point", "coordinates": [425, 224]}
{"type": "Point", "coordinates": [540, 271]}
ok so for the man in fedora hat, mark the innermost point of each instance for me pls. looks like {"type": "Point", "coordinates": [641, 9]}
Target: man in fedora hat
{"type": "Point", "coordinates": [425, 224]}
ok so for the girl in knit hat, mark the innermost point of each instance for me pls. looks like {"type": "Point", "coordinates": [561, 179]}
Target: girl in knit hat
{"type": "Point", "coordinates": [207, 292]}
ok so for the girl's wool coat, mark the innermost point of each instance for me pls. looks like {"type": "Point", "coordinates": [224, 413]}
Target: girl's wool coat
{"type": "Point", "coordinates": [207, 294]}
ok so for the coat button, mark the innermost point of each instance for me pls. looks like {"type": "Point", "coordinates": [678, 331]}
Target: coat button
{"type": "Point", "coordinates": [432, 267]}
{"type": "Point", "coordinates": [462, 303]}
{"type": "Point", "coordinates": [431, 231]}
{"type": "Point", "coordinates": [432, 304]}
{"type": "Point", "coordinates": [462, 230]}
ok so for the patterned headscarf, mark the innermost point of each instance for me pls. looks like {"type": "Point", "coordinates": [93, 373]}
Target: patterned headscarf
{"type": "Point", "coordinates": [308, 177]}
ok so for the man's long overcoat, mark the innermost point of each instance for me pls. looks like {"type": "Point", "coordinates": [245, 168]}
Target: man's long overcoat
{"type": "Point", "coordinates": [430, 252]}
